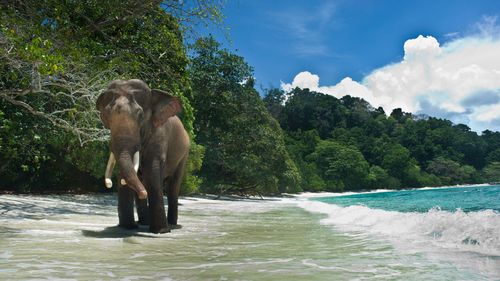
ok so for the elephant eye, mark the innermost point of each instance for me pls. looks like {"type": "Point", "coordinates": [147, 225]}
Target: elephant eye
{"type": "Point", "coordinates": [112, 100]}
{"type": "Point", "coordinates": [140, 97]}
{"type": "Point", "coordinates": [140, 116]}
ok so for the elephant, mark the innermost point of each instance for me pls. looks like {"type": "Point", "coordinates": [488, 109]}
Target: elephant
{"type": "Point", "coordinates": [151, 147]}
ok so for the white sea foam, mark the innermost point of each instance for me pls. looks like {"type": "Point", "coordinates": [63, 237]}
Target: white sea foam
{"type": "Point", "coordinates": [336, 194]}
{"type": "Point", "coordinates": [470, 239]}
{"type": "Point", "coordinates": [474, 231]}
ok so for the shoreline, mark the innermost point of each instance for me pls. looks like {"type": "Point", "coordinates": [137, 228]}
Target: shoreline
{"type": "Point", "coordinates": [344, 193]}
{"type": "Point", "coordinates": [234, 197]}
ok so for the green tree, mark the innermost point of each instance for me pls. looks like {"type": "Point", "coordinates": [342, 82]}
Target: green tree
{"type": "Point", "coordinates": [380, 179]}
{"type": "Point", "coordinates": [306, 110]}
{"type": "Point", "coordinates": [344, 167]}
{"type": "Point", "coordinates": [451, 172]}
{"type": "Point", "coordinates": [245, 148]}
{"type": "Point", "coordinates": [491, 173]}
{"type": "Point", "coordinates": [299, 145]}
{"type": "Point", "coordinates": [492, 140]}
{"type": "Point", "coordinates": [274, 100]}
{"type": "Point", "coordinates": [493, 156]}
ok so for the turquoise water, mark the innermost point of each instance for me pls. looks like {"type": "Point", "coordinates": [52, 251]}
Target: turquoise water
{"type": "Point", "coordinates": [455, 225]}
{"type": "Point", "coordinates": [467, 199]}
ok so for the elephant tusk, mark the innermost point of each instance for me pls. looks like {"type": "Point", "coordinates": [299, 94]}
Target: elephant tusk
{"type": "Point", "coordinates": [108, 183]}
{"type": "Point", "coordinates": [136, 161]}
{"type": "Point", "coordinates": [123, 182]}
{"type": "Point", "coordinates": [109, 170]}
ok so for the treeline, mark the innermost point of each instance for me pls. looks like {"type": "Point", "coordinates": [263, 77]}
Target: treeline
{"type": "Point", "coordinates": [56, 57]}
{"type": "Point", "coordinates": [346, 144]}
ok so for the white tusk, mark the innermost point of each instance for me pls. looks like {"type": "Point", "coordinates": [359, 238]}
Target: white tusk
{"type": "Point", "coordinates": [123, 182]}
{"type": "Point", "coordinates": [108, 183]}
{"type": "Point", "coordinates": [136, 161]}
{"type": "Point", "coordinates": [109, 170]}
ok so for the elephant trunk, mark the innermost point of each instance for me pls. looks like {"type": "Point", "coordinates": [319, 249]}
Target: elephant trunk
{"type": "Point", "coordinates": [130, 175]}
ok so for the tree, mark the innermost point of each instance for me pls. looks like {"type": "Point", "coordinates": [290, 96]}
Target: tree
{"type": "Point", "coordinates": [305, 110]}
{"type": "Point", "coordinates": [245, 146]}
{"type": "Point", "coordinates": [399, 115]}
{"type": "Point", "coordinates": [492, 140]}
{"type": "Point", "coordinates": [379, 178]}
{"type": "Point", "coordinates": [342, 166]}
{"type": "Point", "coordinates": [451, 172]}
{"type": "Point", "coordinates": [493, 156]}
{"type": "Point", "coordinates": [299, 145]}
{"type": "Point", "coordinates": [491, 173]}
{"type": "Point", "coordinates": [274, 100]}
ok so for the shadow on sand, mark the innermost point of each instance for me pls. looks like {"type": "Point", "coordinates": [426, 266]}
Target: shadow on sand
{"type": "Point", "coordinates": [120, 232]}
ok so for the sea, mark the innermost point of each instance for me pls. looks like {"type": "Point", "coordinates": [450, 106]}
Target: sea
{"type": "Point", "coordinates": [449, 233]}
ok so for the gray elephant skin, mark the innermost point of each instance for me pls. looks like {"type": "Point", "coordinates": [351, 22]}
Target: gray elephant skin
{"type": "Point", "coordinates": [151, 148]}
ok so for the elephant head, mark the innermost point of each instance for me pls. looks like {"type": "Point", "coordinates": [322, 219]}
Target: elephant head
{"type": "Point", "coordinates": [130, 109]}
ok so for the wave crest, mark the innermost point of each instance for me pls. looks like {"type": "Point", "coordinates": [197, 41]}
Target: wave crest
{"type": "Point", "coordinates": [477, 232]}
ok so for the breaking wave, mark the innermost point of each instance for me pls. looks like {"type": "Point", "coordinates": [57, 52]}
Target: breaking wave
{"type": "Point", "coordinates": [477, 232]}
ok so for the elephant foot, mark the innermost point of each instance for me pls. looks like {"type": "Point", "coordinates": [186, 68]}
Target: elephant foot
{"type": "Point", "coordinates": [175, 226]}
{"type": "Point", "coordinates": [161, 230]}
{"type": "Point", "coordinates": [171, 221]}
{"type": "Point", "coordinates": [129, 226]}
{"type": "Point", "coordinates": [143, 222]}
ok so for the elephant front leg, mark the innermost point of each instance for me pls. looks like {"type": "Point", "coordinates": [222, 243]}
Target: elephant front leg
{"type": "Point", "coordinates": [157, 216]}
{"type": "Point", "coordinates": [126, 207]}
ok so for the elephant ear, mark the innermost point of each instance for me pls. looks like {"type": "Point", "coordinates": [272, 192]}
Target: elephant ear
{"type": "Point", "coordinates": [164, 106]}
{"type": "Point", "coordinates": [102, 101]}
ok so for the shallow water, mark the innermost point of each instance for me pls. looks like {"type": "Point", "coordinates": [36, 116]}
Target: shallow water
{"type": "Point", "coordinates": [74, 238]}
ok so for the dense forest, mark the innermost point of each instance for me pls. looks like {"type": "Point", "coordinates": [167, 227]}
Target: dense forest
{"type": "Point", "coordinates": [57, 56]}
{"type": "Point", "coordinates": [346, 144]}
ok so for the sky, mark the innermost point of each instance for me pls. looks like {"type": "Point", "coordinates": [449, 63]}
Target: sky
{"type": "Point", "coordinates": [440, 58]}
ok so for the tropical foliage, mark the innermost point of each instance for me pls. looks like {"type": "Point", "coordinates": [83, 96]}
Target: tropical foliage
{"type": "Point", "coordinates": [346, 144]}
{"type": "Point", "coordinates": [57, 56]}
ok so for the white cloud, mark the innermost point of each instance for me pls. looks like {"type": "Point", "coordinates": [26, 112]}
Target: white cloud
{"type": "Point", "coordinates": [459, 81]}
{"type": "Point", "coordinates": [421, 48]}
{"type": "Point", "coordinates": [487, 113]}
{"type": "Point", "coordinates": [347, 86]}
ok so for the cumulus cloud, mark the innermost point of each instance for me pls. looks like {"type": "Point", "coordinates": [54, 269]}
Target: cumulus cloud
{"type": "Point", "coordinates": [459, 80]}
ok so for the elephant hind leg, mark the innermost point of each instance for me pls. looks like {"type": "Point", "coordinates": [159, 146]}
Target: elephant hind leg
{"type": "Point", "coordinates": [173, 189]}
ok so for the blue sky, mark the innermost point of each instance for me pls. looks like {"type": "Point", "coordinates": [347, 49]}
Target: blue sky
{"type": "Point", "coordinates": [355, 47]}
